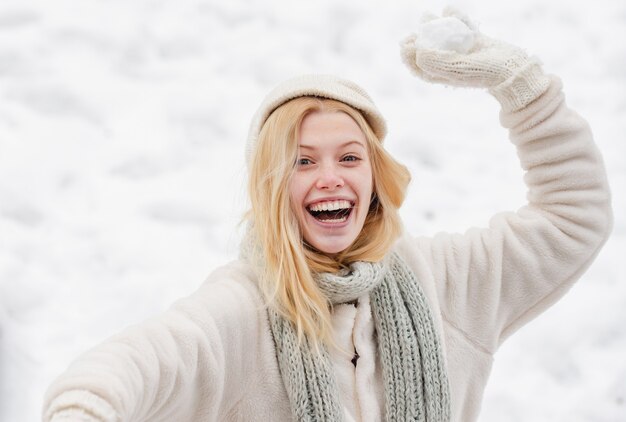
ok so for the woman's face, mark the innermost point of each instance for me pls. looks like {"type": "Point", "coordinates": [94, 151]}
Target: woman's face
{"type": "Point", "coordinates": [332, 185]}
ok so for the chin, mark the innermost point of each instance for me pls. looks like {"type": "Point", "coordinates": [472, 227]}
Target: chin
{"type": "Point", "coordinates": [330, 250]}
{"type": "Point", "coordinates": [330, 246]}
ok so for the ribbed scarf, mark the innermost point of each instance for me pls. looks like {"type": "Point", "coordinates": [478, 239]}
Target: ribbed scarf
{"type": "Point", "coordinates": [415, 380]}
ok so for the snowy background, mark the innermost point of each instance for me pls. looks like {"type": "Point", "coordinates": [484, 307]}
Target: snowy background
{"type": "Point", "coordinates": [122, 131]}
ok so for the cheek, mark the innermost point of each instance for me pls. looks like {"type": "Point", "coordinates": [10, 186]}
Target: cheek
{"type": "Point", "coordinates": [368, 184]}
{"type": "Point", "coordinates": [297, 192]}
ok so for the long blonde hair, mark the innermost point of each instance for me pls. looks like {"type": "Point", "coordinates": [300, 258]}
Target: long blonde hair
{"type": "Point", "coordinates": [288, 264]}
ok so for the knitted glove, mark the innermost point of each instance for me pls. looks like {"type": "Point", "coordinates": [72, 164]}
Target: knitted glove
{"type": "Point", "coordinates": [505, 70]}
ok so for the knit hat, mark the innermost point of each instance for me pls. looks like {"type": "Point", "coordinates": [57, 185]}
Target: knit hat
{"type": "Point", "coordinates": [325, 86]}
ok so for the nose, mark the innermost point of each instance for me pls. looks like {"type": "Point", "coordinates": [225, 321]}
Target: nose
{"type": "Point", "coordinates": [329, 178]}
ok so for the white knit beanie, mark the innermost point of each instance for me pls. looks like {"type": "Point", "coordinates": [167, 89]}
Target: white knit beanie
{"type": "Point", "coordinates": [326, 86]}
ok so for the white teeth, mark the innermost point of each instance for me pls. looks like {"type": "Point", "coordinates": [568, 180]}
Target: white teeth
{"type": "Point", "coordinates": [330, 205]}
{"type": "Point", "coordinates": [338, 220]}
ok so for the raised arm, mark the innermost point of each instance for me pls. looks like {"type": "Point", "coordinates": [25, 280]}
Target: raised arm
{"type": "Point", "coordinates": [194, 358]}
{"type": "Point", "coordinates": [491, 281]}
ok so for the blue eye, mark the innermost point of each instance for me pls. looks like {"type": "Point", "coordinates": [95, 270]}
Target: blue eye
{"type": "Point", "coordinates": [350, 158]}
{"type": "Point", "coordinates": [303, 161]}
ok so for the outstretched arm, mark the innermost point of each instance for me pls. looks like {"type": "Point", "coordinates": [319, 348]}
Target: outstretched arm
{"type": "Point", "coordinates": [491, 281]}
{"type": "Point", "coordinates": [189, 363]}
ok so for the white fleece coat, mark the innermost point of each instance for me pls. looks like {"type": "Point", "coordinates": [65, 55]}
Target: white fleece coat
{"type": "Point", "coordinates": [211, 356]}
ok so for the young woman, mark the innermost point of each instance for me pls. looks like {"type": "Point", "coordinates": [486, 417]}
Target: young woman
{"type": "Point", "coordinates": [332, 312]}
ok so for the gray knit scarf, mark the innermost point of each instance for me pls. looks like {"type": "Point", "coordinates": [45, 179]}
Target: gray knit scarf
{"type": "Point", "coordinates": [414, 376]}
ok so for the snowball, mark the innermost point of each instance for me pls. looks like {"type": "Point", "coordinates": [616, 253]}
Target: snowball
{"type": "Point", "coordinates": [447, 33]}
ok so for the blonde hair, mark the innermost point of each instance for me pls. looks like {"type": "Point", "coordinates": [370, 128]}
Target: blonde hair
{"type": "Point", "coordinates": [288, 264]}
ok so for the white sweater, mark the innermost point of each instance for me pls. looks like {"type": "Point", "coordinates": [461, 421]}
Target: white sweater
{"type": "Point", "coordinates": [211, 356]}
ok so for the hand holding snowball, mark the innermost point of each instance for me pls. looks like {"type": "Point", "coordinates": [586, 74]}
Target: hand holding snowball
{"type": "Point", "coordinates": [451, 50]}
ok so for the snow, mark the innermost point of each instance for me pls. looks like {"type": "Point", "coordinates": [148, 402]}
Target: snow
{"type": "Point", "coordinates": [122, 171]}
{"type": "Point", "coordinates": [447, 33]}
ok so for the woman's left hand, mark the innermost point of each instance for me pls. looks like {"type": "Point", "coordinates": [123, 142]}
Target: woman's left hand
{"type": "Point", "coordinates": [452, 51]}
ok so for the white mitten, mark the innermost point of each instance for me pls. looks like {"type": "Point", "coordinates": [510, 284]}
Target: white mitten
{"type": "Point", "coordinates": [451, 50]}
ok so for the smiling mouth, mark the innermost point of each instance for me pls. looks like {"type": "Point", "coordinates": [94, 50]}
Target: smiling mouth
{"type": "Point", "coordinates": [331, 211]}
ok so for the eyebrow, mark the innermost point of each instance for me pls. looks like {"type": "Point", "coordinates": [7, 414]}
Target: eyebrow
{"type": "Point", "coordinates": [345, 144]}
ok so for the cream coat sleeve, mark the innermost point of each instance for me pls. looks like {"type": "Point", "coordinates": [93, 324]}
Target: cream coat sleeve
{"type": "Point", "coordinates": [195, 359]}
{"type": "Point", "coordinates": [491, 281]}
